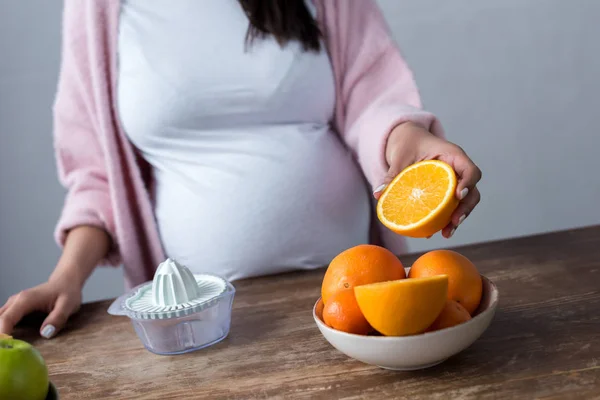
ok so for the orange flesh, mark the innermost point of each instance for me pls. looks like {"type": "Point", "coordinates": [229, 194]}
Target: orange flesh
{"type": "Point", "coordinates": [422, 190]}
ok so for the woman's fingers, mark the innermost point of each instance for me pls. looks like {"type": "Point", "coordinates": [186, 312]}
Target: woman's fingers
{"type": "Point", "coordinates": [59, 303]}
{"type": "Point", "coordinates": [468, 175]}
{"type": "Point", "coordinates": [379, 190]}
{"type": "Point", "coordinates": [466, 191]}
{"type": "Point", "coordinates": [468, 178]}
{"type": "Point", "coordinates": [6, 305]}
{"type": "Point", "coordinates": [56, 320]}
{"type": "Point", "coordinates": [21, 305]}
{"type": "Point", "coordinates": [465, 207]}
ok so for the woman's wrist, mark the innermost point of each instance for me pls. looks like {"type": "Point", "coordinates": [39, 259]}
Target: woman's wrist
{"type": "Point", "coordinates": [70, 274]}
{"type": "Point", "coordinates": [84, 247]}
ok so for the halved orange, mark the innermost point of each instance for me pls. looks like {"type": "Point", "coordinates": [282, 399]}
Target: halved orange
{"type": "Point", "coordinates": [419, 202]}
{"type": "Point", "coordinates": [403, 307]}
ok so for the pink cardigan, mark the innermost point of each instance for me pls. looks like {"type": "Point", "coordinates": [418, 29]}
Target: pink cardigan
{"type": "Point", "coordinates": [108, 183]}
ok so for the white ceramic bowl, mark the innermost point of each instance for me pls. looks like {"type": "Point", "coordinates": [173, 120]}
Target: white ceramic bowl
{"type": "Point", "coordinates": [416, 351]}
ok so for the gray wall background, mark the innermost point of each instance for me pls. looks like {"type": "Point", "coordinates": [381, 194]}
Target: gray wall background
{"type": "Point", "coordinates": [515, 82]}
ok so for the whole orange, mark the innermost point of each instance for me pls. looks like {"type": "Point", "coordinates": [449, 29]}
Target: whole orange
{"type": "Point", "coordinates": [360, 265]}
{"type": "Point", "coordinates": [464, 281]}
{"type": "Point", "coordinates": [341, 312]}
{"type": "Point", "coordinates": [452, 314]}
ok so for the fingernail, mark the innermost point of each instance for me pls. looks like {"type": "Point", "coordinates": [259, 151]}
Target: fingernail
{"type": "Point", "coordinates": [464, 193]}
{"type": "Point", "coordinates": [48, 331]}
{"type": "Point", "coordinates": [452, 232]}
{"type": "Point", "coordinates": [461, 219]}
{"type": "Point", "coordinates": [380, 188]}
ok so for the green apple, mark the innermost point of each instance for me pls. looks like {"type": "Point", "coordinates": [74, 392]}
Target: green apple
{"type": "Point", "coordinates": [23, 372]}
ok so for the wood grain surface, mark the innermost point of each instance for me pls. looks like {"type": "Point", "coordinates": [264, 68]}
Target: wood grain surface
{"type": "Point", "coordinates": [543, 343]}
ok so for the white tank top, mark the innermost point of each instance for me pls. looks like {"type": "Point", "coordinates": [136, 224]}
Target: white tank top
{"type": "Point", "coordinates": [249, 178]}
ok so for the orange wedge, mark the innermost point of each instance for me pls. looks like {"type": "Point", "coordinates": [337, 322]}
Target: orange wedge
{"type": "Point", "coordinates": [420, 200]}
{"type": "Point", "coordinates": [403, 307]}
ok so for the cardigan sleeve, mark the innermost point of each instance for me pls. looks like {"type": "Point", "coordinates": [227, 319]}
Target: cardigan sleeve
{"type": "Point", "coordinates": [79, 154]}
{"type": "Point", "coordinates": [375, 86]}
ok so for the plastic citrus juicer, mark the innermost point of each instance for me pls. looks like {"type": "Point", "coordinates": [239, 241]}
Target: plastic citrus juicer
{"type": "Point", "coordinates": [178, 312]}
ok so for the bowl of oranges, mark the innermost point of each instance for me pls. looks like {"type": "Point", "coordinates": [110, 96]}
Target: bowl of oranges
{"type": "Point", "coordinates": [375, 310]}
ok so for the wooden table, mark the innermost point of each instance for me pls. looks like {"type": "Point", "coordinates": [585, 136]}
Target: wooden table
{"type": "Point", "coordinates": [543, 343]}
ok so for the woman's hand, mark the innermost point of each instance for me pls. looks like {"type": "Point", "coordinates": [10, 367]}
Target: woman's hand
{"type": "Point", "coordinates": [60, 298]}
{"type": "Point", "coordinates": [409, 143]}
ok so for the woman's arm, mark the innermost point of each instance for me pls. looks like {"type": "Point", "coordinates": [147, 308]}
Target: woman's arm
{"type": "Point", "coordinates": [84, 247]}
{"type": "Point", "coordinates": [375, 86]}
{"type": "Point", "coordinates": [86, 226]}
{"type": "Point", "coordinates": [80, 155]}
{"type": "Point", "coordinates": [379, 112]}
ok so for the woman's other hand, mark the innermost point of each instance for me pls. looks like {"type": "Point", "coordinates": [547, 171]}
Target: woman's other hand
{"type": "Point", "coordinates": [409, 143]}
{"type": "Point", "coordinates": [57, 297]}
{"type": "Point", "coordinates": [60, 297]}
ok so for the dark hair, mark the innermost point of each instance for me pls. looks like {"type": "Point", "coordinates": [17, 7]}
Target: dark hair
{"type": "Point", "coordinates": [286, 20]}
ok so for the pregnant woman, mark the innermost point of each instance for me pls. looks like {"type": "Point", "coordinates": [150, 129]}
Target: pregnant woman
{"type": "Point", "coordinates": [240, 137]}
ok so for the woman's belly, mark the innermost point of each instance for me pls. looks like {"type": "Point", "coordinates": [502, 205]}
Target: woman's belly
{"type": "Point", "coordinates": [262, 201]}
